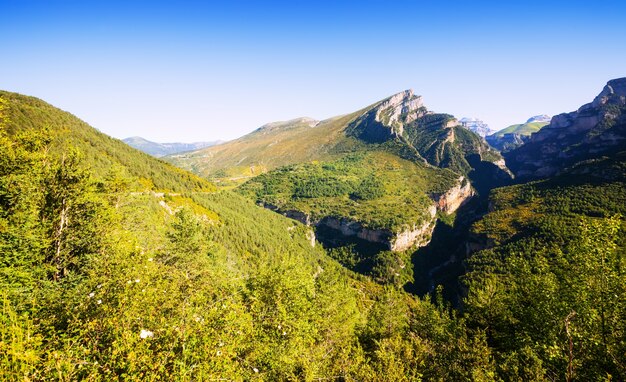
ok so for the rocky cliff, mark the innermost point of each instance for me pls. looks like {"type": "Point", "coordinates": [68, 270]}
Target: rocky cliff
{"type": "Point", "coordinates": [387, 118]}
{"type": "Point", "coordinates": [507, 141]}
{"type": "Point", "coordinates": [416, 235]}
{"type": "Point", "coordinates": [476, 126]}
{"type": "Point", "coordinates": [454, 198]}
{"type": "Point", "coordinates": [435, 138]}
{"type": "Point", "coordinates": [595, 129]}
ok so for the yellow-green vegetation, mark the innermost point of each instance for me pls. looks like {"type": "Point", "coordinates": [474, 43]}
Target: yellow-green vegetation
{"type": "Point", "coordinates": [101, 281]}
{"type": "Point", "coordinates": [269, 147]}
{"type": "Point", "coordinates": [109, 273]}
{"type": "Point", "coordinates": [375, 188]}
{"type": "Point", "coordinates": [550, 287]}
{"type": "Point", "coordinates": [521, 129]}
{"type": "Point", "coordinates": [100, 151]}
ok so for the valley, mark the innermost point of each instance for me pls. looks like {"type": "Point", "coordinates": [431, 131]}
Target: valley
{"type": "Point", "coordinates": [389, 243]}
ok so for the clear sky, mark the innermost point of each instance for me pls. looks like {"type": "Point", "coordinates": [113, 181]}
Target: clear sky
{"type": "Point", "coordinates": [202, 70]}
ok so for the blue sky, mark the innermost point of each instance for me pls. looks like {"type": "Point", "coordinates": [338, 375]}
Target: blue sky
{"type": "Point", "coordinates": [200, 70]}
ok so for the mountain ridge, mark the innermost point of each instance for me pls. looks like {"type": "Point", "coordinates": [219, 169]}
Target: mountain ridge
{"type": "Point", "coordinates": [515, 135]}
{"type": "Point", "coordinates": [595, 129]}
{"type": "Point", "coordinates": [162, 149]}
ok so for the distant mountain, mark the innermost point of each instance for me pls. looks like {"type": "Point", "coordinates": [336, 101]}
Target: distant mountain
{"type": "Point", "coordinates": [539, 118]}
{"type": "Point", "coordinates": [101, 153]}
{"type": "Point", "coordinates": [595, 130]}
{"type": "Point", "coordinates": [515, 135]}
{"type": "Point", "coordinates": [161, 149]}
{"type": "Point", "coordinates": [476, 125]}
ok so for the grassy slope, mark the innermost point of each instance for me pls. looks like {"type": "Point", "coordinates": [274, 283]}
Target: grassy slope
{"type": "Point", "coordinates": [522, 129]}
{"type": "Point", "coordinates": [100, 151]}
{"type": "Point", "coordinates": [265, 149]}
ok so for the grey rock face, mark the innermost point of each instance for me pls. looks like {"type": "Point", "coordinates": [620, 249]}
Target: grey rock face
{"type": "Point", "coordinates": [476, 125]}
{"type": "Point", "coordinates": [387, 119]}
{"type": "Point", "coordinates": [539, 118]}
{"type": "Point", "coordinates": [595, 129]}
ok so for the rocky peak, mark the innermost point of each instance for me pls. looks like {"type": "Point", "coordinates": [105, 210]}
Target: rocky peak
{"type": "Point", "coordinates": [387, 118]}
{"type": "Point", "coordinates": [539, 118]}
{"type": "Point", "coordinates": [476, 125]}
{"type": "Point", "coordinates": [398, 109]}
{"type": "Point", "coordinates": [614, 93]}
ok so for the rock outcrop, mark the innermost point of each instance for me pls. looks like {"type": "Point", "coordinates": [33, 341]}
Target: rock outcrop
{"type": "Point", "coordinates": [451, 200]}
{"type": "Point", "coordinates": [508, 141]}
{"type": "Point", "coordinates": [386, 120]}
{"type": "Point", "coordinates": [476, 125]}
{"type": "Point", "coordinates": [417, 235]}
{"type": "Point", "coordinates": [595, 129]}
{"type": "Point", "coordinates": [539, 118]}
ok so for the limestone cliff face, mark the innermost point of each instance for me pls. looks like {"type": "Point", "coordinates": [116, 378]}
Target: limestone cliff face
{"type": "Point", "coordinates": [507, 141]}
{"type": "Point", "coordinates": [594, 129]}
{"type": "Point", "coordinates": [418, 235]}
{"type": "Point", "coordinates": [395, 241]}
{"type": "Point", "coordinates": [451, 200]}
{"type": "Point", "coordinates": [415, 235]}
{"type": "Point", "coordinates": [387, 119]}
{"type": "Point", "coordinates": [349, 227]}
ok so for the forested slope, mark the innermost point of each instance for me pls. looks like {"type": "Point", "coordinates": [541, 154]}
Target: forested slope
{"type": "Point", "coordinates": [102, 279]}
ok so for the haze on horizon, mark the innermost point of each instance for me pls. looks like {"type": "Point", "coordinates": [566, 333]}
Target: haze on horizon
{"type": "Point", "coordinates": [202, 71]}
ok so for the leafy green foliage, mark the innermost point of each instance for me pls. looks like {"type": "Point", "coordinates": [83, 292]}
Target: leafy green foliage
{"type": "Point", "coordinates": [548, 290]}
{"type": "Point", "coordinates": [99, 151]}
{"type": "Point", "coordinates": [375, 188]}
{"type": "Point", "coordinates": [103, 278]}
{"type": "Point", "coordinates": [100, 282]}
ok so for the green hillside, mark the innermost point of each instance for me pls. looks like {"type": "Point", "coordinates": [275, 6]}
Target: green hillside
{"type": "Point", "coordinates": [521, 129]}
{"type": "Point", "coordinates": [553, 271]}
{"type": "Point", "coordinates": [514, 136]}
{"type": "Point", "coordinates": [101, 279]}
{"type": "Point", "coordinates": [266, 148]}
{"type": "Point", "coordinates": [101, 152]}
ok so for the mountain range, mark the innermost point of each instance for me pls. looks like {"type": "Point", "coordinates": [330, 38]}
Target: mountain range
{"type": "Point", "coordinates": [161, 149]}
{"type": "Point", "coordinates": [389, 243]}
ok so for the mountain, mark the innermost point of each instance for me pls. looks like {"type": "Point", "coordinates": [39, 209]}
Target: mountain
{"type": "Point", "coordinates": [162, 149]}
{"type": "Point", "coordinates": [380, 174]}
{"type": "Point", "coordinates": [272, 145]}
{"type": "Point", "coordinates": [304, 139]}
{"type": "Point", "coordinates": [116, 265]}
{"type": "Point", "coordinates": [596, 129]}
{"type": "Point", "coordinates": [553, 246]}
{"type": "Point", "coordinates": [515, 135]}
{"type": "Point", "coordinates": [103, 277]}
{"type": "Point", "coordinates": [539, 118]}
{"type": "Point", "coordinates": [476, 125]}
